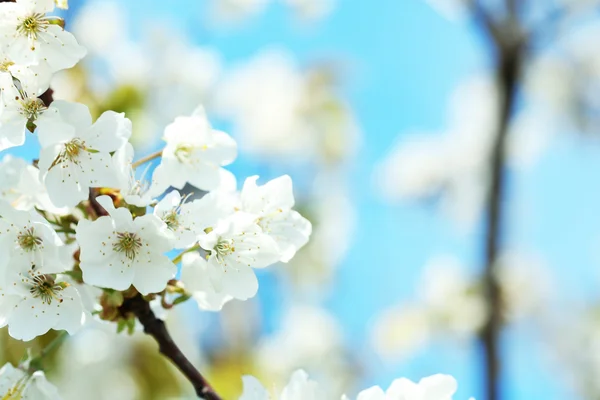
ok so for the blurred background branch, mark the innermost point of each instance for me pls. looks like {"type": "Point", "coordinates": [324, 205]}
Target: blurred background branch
{"type": "Point", "coordinates": [507, 42]}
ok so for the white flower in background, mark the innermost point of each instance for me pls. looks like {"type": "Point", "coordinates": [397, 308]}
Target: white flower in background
{"type": "Point", "coordinates": [311, 338]}
{"type": "Point", "coordinates": [100, 26]}
{"type": "Point", "coordinates": [435, 387]}
{"type": "Point", "coordinates": [194, 154]}
{"type": "Point", "coordinates": [454, 163]}
{"type": "Point", "coordinates": [27, 234]}
{"type": "Point", "coordinates": [96, 355]}
{"type": "Point", "coordinates": [451, 296]}
{"type": "Point", "coordinates": [17, 384]}
{"type": "Point", "coordinates": [33, 300]}
{"type": "Point", "coordinates": [75, 154]}
{"type": "Point", "coordinates": [451, 9]}
{"type": "Point", "coordinates": [20, 186]}
{"type": "Point", "coordinates": [236, 245]}
{"type": "Point", "coordinates": [30, 37]}
{"type": "Point", "coordinates": [195, 276]}
{"type": "Point", "coordinates": [188, 70]}
{"type": "Point", "coordinates": [299, 117]}
{"type": "Point", "coordinates": [311, 9]}
{"type": "Point", "coordinates": [274, 125]}
{"type": "Point", "coordinates": [399, 332]}
{"type": "Point", "coordinates": [527, 286]}
{"type": "Point", "coordinates": [187, 220]}
{"type": "Point", "coordinates": [273, 203]}
{"type": "Point", "coordinates": [234, 10]}
{"type": "Point", "coordinates": [118, 251]}
{"type": "Point", "coordinates": [300, 387]}
{"type": "Point", "coordinates": [450, 304]}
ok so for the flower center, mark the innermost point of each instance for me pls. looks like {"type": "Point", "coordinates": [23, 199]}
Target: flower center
{"type": "Point", "coordinates": [28, 241]}
{"type": "Point", "coordinates": [44, 287]}
{"type": "Point", "coordinates": [32, 108]}
{"type": "Point", "coordinates": [73, 149]}
{"type": "Point", "coordinates": [172, 220]}
{"type": "Point", "coordinates": [183, 152]}
{"type": "Point", "coordinates": [128, 243]}
{"type": "Point", "coordinates": [223, 248]}
{"type": "Point", "coordinates": [32, 25]}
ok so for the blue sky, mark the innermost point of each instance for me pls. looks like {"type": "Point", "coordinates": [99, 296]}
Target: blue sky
{"type": "Point", "coordinates": [403, 61]}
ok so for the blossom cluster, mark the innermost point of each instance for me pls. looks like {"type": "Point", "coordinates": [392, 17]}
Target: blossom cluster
{"type": "Point", "coordinates": [79, 217]}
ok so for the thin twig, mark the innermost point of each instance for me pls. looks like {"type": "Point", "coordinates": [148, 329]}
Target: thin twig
{"type": "Point", "coordinates": [157, 329]}
{"type": "Point", "coordinates": [144, 160]}
{"type": "Point", "coordinates": [35, 363]}
{"type": "Point", "coordinates": [179, 256]}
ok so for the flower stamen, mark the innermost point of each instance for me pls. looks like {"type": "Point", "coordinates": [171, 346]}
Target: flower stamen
{"type": "Point", "coordinates": [28, 241]}
{"type": "Point", "coordinates": [128, 243]}
{"type": "Point", "coordinates": [32, 108]}
{"type": "Point", "coordinates": [32, 25]}
{"type": "Point", "coordinates": [46, 289]}
{"type": "Point", "coordinates": [223, 248]}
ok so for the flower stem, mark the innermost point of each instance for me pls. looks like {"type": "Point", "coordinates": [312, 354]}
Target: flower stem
{"type": "Point", "coordinates": [144, 160]}
{"type": "Point", "coordinates": [177, 259]}
{"type": "Point", "coordinates": [35, 364]}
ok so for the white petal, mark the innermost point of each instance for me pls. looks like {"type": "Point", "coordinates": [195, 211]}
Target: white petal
{"type": "Point", "coordinates": [438, 386]}
{"type": "Point", "coordinates": [152, 272]}
{"type": "Point", "coordinates": [253, 389]}
{"type": "Point", "coordinates": [109, 133]}
{"type": "Point", "coordinates": [63, 183]}
{"type": "Point", "coordinates": [373, 393]}
{"type": "Point", "coordinates": [60, 49]}
{"type": "Point", "coordinates": [75, 114]}
{"type": "Point", "coordinates": [115, 274]}
{"type": "Point", "coordinates": [239, 282]}
{"type": "Point", "coordinates": [12, 128]}
{"type": "Point", "coordinates": [290, 230]}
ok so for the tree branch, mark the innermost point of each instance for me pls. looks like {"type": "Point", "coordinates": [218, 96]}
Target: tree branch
{"type": "Point", "coordinates": [508, 42]}
{"type": "Point", "coordinates": [157, 329]}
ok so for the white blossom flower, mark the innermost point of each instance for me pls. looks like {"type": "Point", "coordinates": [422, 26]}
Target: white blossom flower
{"type": "Point", "coordinates": [31, 37]}
{"type": "Point", "coordinates": [233, 10]}
{"type": "Point", "coordinates": [33, 300]}
{"type": "Point", "coordinates": [20, 186]}
{"type": "Point", "coordinates": [27, 234]}
{"type": "Point", "coordinates": [311, 338]}
{"type": "Point", "coordinates": [195, 275]}
{"type": "Point", "coordinates": [235, 246]}
{"type": "Point", "coordinates": [273, 203]}
{"type": "Point", "coordinates": [118, 251]}
{"type": "Point", "coordinates": [188, 220]}
{"type": "Point", "coordinates": [75, 154]}
{"type": "Point", "coordinates": [312, 9]}
{"type": "Point", "coordinates": [20, 385]}
{"type": "Point", "coordinates": [435, 387]}
{"type": "Point", "coordinates": [194, 154]}
{"type": "Point", "coordinates": [300, 387]}
{"type": "Point", "coordinates": [18, 105]}
{"type": "Point", "coordinates": [273, 126]}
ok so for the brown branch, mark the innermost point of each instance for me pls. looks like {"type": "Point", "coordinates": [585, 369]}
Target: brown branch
{"type": "Point", "coordinates": [47, 97]}
{"type": "Point", "coordinates": [157, 329]}
{"type": "Point", "coordinates": [508, 42]}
